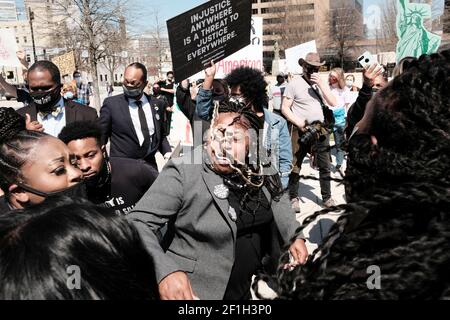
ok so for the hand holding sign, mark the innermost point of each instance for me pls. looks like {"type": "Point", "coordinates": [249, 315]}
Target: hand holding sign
{"type": "Point", "coordinates": [212, 31]}
{"type": "Point", "coordinates": [210, 73]}
{"type": "Point", "coordinates": [21, 56]}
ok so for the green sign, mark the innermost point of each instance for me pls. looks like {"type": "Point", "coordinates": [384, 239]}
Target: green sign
{"type": "Point", "coordinates": [414, 38]}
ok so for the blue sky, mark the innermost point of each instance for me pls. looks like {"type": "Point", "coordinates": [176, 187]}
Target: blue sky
{"type": "Point", "coordinates": [172, 8]}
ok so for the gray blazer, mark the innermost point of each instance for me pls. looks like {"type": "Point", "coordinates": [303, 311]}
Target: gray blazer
{"type": "Point", "coordinates": [204, 240]}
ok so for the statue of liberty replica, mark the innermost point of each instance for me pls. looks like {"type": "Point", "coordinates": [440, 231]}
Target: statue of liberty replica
{"type": "Point", "coordinates": [414, 38]}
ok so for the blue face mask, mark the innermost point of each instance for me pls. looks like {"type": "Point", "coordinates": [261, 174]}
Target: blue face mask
{"type": "Point", "coordinates": [68, 95]}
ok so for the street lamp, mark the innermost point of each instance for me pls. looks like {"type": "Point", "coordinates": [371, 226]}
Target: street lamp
{"type": "Point", "coordinates": [31, 17]}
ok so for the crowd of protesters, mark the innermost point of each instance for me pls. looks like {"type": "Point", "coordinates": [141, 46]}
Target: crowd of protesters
{"type": "Point", "coordinates": [83, 189]}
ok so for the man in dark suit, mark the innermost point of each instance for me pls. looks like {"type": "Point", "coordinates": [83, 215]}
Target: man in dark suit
{"type": "Point", "coordinates": [133, 120]}
{"type": "Point", "coordinates": [49, 111]}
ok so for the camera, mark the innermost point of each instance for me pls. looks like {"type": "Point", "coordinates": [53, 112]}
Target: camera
{"type": "Point", "coordinates": [313, 133]}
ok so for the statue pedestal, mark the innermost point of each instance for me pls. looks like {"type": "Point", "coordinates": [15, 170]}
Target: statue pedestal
{"type": "Point", "coordinates": [276, 67]}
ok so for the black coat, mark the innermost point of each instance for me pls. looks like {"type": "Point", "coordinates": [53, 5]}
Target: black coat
{"type": "Point", "coordinates": [74, 112]}
{"type": "Point", "coordinates": [357, 110]}
{"type": "Point", "coordinates": [115, 121]}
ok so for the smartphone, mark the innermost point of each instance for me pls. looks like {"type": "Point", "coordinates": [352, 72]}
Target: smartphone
{"type": "Point", "coordinates": [366, 60]}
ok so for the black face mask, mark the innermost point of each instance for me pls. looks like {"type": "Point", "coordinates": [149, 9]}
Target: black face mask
{"type": "Point", "coordinates": [132, 92]}
{"type": "Point", "coordinates": [76, 191]}
{"type": "Point", "coordinates": [46, 101]}
{"type": "Point", "coordinates": [309, 70]}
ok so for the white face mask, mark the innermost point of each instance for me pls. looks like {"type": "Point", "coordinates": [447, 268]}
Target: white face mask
{"type": "Point", "coordinates": [349, 83]}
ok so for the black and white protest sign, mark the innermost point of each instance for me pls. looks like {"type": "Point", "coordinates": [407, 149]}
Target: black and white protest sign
{"type": "Point", "coordinates": [212, 31]}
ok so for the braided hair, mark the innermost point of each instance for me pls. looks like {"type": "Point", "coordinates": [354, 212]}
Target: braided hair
{"type": "Point", "coordinates": [257, 157]}
{"type": "Point", "coordinates": [15, 145]}
{"type": "Point", "coordinates": [397, 219]}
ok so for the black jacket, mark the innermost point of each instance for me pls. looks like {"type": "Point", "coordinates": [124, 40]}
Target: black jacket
{"type": "Point", "coordinates": [357, 110]}
{"type": "Point", "coordinates": [74, 112]}
{"type": "Point", "coordinates": [187, 106]}
{"type": "Point", "coordinates": [115, 121]}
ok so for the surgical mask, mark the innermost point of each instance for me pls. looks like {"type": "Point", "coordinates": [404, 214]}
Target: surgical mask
{"type": "Point", "coordinates": [46, 101]}
{"type": "Point", "coordinates": [76, 191]}
{"type": "Point", "coordinates": [349, 83]}
{"type": "Point", "coordinates": [132, 93]}
{"type": "Point", "coordinates": [68, 95]}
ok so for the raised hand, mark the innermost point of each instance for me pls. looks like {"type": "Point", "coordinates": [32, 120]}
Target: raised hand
{"type": "Point", "coordinates": [371, 74]}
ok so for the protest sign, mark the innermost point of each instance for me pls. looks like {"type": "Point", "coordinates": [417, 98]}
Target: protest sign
{"type": "Point", "coordinates": [212, 31]}
{"type": "Point", "coordinates": [8, 49]}
{"type": "Point", "coordinates": [65, 63]}
{"type": "Point", "coordinates": [250, 56]}
{"type": "Point", "coordinates": [297, 52]}
{"type": "Point", "coordinates": [414, 38]}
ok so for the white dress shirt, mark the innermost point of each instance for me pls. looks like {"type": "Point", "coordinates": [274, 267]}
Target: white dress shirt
{"type": "Point", "coordinates": [53, 125]}
{"type": "Point", "coordinates": [134, 112]}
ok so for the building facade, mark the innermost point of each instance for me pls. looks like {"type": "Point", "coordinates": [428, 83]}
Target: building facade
{"type": "Point", "coordinates": [8, 11]}
{"type": "Point", "coordinates": [289, 23]}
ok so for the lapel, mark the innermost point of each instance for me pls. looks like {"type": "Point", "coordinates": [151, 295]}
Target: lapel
{"type": "Point", "coordinates": [70, 112]}
{"type": "Point", "coordinates": [212, 180]}
{"type": "Point", "coordinates": [156, 122]}
{"type": "Point", "coordinates": [125, 107]}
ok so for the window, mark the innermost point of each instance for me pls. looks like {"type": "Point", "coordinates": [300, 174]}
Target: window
{"type": "Point", "coordinates": [272, 21]}
{"type": "Point", "coordinates": [269, 43]}
{"type": "Point", "coordinates": [24, 39]}
{"type": "Point", "coordinates": [254, 11]}
{"type": "Point", "coordinates": [101, 78]}
{"type": "Point", "coordinates": [17, 39]}
{"type": "Point", "coordinates": [106, 77]}
{"type": "Point", "coordinates": [272, 10]}
{"type": "Point", "coordinates": [115, 77]}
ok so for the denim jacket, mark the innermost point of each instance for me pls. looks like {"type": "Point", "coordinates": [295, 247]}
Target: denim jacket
{"type": "Point", "coordinates": [276, 135]}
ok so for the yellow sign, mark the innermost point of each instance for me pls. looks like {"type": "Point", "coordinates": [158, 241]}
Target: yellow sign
{"type": "Point", "coordinates": [65, 63]}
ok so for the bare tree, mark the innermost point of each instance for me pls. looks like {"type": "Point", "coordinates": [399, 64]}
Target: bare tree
{"type": "Point", "coordinates": [387, 34]}
{"type": "Point", "coordinates": [113, 54]}
{"type": "Point", "coordinates": [158, 34]}
{"type": "Point", "coordinates": [68, 41]}
{"type": "Point", "coordinates": [89, 25]}
{"type": "Point", "coordinates": [345, 26]}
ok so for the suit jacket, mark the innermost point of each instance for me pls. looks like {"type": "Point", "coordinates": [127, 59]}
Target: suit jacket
{"type": "Point", "coordinates": [204, 235]}
{"type": "Point", "coordinates": [116, 123]}
{"type": "Point", "coordinates": [74, 112]}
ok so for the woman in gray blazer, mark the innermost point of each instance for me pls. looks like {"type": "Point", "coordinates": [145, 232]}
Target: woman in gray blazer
{"type": "Point", "coordinates": [220, 206]}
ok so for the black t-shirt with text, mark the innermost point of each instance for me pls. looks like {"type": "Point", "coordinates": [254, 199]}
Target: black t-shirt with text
{"type": "Point", "coordinates": [130, 180]}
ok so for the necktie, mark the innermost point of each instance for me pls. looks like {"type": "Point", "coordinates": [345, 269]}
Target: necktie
{"type": "Point", "coordinates": [144, 128]}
